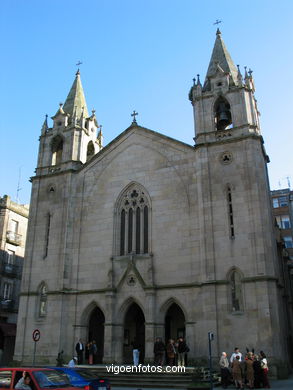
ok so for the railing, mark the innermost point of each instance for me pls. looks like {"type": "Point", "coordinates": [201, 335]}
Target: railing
{"type": "Point", "coordinates": [6, 304]}
{"type": "Point", "coordinates": [13, 238]}
{"type": "Point", "coordinates": [9, 269]}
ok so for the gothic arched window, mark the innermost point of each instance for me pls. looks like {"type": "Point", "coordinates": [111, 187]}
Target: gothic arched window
{"type": "Point", "coordinates": [42, 300]}
{"type": "Point", "coordinates": [236, 291]}
{"type": "Point", "coordinates": [57, 149]}
{"type": "Point", "coordinates": [133, 221]}
{"type": "Point", "coordinates": [222, 114]}
{"type": "Point", "coordinates": [90, 150]}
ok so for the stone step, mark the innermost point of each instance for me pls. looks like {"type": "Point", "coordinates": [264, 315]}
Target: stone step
{"type": "Point", "coordinates": [176, 380]}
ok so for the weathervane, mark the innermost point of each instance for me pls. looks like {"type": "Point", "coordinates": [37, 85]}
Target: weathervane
{"type": "Point", "coordinates": [79, 63]}
{"type": "Point", "coordinates": [218, 21]}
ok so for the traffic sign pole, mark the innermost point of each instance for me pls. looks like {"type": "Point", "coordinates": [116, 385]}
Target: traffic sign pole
{"type": "Point", "coordinates": [36, 337]}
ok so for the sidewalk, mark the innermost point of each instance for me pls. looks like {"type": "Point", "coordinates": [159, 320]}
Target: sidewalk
{"type": "Point", "coordinates": [284, 384]}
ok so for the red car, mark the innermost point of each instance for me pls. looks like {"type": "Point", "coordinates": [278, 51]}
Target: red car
{"type": "Point", "coordinates": [35, 378]}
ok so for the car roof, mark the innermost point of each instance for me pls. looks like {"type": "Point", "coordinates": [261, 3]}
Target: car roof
{"type": "Point", "coordinates": [27, 368]}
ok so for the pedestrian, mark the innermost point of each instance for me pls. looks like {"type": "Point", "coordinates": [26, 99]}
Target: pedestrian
{"type": "Point", "coordinates": [79, 348]}
{"type": "Point", "coordinates": [257, 370]}
{"type": "Point", "coordinates": [92, 351]}
{"type": "Point", "coordinates": [249, 370]}
{"type": "Point", "coordinates": [225, 372]}
{"type": "Point", "coordinates": [171, 352]}
{"type": "Point", "coordinates": [237, 372]}
{"type": "Point", "coordinates": [182, 350]}
{"type": "Point", "coordinates": [159, 351]}
{"type": "Point", "coordinates": [265, 370]}
{"type": "Point", "coordinates": [135, 352]}
{"type": "Point", "coordinates": [236, 353]}
{"type": "Point", "coordinates": [72, 362]}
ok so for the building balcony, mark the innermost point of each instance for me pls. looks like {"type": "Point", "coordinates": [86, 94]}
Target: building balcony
{"type": "Point", "coordinates": [13, 238]}
{"type": "Point", "coordinates": [9, 269]}
{"type": "Point", "coordinates": [6, 304]}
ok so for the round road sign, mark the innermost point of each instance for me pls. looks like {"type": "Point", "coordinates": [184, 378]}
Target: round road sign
{"type": "Point", "coordinates": [36, 335]}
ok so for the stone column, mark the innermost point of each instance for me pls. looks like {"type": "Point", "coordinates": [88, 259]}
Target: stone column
{"type": "Point", "coordinates": [108, 344]}
{"type": "Point", "coordinates": [118, 333]}
{"type": "Point", "coordinates": [108, 329]}
{"type": "Point", "coordinates": [190, 339]}
{"type": "Point", "coordinates": [150, 326]}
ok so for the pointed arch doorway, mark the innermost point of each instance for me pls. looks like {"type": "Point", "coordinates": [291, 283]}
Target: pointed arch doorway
{"type": "Point", "coordinates": [134, 330]}
{"type": "Point", "coordinates": [96, 331]}
{"type": "Point", "coordinates": [174, 323]}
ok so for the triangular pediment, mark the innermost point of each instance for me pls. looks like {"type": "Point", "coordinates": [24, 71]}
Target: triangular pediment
{"type": "Point", "coordinates": [134, 130]}
{"type": "Point", "coordinates": [131, 277]}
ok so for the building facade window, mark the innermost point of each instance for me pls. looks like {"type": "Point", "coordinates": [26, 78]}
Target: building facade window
{"type": "Point", "coordinates": [133, 221]}
{"type": "Point", "coordinates": [14, 226]}
{"type": "Point", "coordinates": [7, 291]}
{"type": "Point", "coordinates": [42, 300]}
{"type": "Point", "coordinates": [230, 212]}
{"type": "Point", "coordinates": [10, 257]}
{"type": "Point", "coordinates": [281, 201]}
{"type": "Point", "coordinates": [222, 114]}
{"type": "Point", "coordinates": [57, 150]}
{"type": "Point", "coordinates": [90, 150]}
{"type": "Point", "coordinates": [47, 236]}
{"type": "Point", "coordinates": [288, 241]}
{"type": "Point", "coordinates": [236, 291]}
{"type": "Point", "coordinates": [283, 221]}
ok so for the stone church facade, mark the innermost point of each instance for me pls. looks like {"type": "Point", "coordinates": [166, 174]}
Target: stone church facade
{"type": "Point", "coordinates": [150, 236]}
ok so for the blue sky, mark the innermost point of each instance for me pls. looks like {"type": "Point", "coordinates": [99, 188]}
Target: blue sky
{"type": "Point", "coordinates": [138, 55]}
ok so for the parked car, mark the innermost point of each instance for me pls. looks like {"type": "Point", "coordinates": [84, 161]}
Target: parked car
{"type": "Point", "coordinates": [40, 378]}
{"type": "Point", "coordinates": [85, 377]}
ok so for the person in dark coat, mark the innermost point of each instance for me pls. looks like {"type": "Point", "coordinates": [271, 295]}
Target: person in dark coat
{"type": "Point", "coordinates": [79, 348]}
{"type": "Point", "coordinates": [159, 351]}
{"type": "Point", "coordinates": [171, 352]}
{"type": "Point", "coordinates": [257, 372]}
{"type": "Point", "coordinates": [182, 350]}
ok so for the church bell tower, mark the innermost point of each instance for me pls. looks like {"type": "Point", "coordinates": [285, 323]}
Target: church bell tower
{"type": "Point", "coordinates": [224, 106]}
{"type": "Point", "coordinates": [73, 139]}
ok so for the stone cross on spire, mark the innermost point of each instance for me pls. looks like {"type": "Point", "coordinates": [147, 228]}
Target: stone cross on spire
{"type": "Point", "coordinates": [134, 115]}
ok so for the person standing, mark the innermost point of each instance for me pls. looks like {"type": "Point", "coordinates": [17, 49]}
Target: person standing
{"type": "Point", "coordinates": [234, 354]}
{"type": "Point", "coordinates": [92, 351]}
{"type": "Point", "coordinates": [257, 371]}
{"type": "Point", "coordinates": [182, 350]}
{"type": "Point", "coordinates": [135, 352]}
{"type": "Point", "coordinates": [79, 348]}
{"type": "Point", "coordinates": [265, 370]}
{"type": "Point", "coordinates": [159, 351]}
{"type": "Point", "coordinates": [171, 352]}
{"type": "Point", "coordinates": [237, 372]}
{"type": "Point", "coordinates": [225, 373]}
{"type": "Point", "coordinates": [249, 370]}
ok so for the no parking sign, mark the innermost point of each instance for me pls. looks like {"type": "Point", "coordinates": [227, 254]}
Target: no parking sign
{"type": "Point", "coordinates": [36, 335]}
{"type": "Point", "coordinates": [36, 338]}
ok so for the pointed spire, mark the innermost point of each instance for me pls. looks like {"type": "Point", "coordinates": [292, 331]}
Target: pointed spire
{"type": "Point", "coordinates": [45, 125]}
{"type": "Point", "coordinates": [221, 59]}
{"type": "Point", "coordinates": [239, 77]}
{"type": "Point", "coordinates": [75, 102]}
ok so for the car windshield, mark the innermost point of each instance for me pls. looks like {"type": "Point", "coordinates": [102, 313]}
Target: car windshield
{"type": "Point", "coordinates": [51, 378]}
{"type": "Point", "coordinates": [87, 374]}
